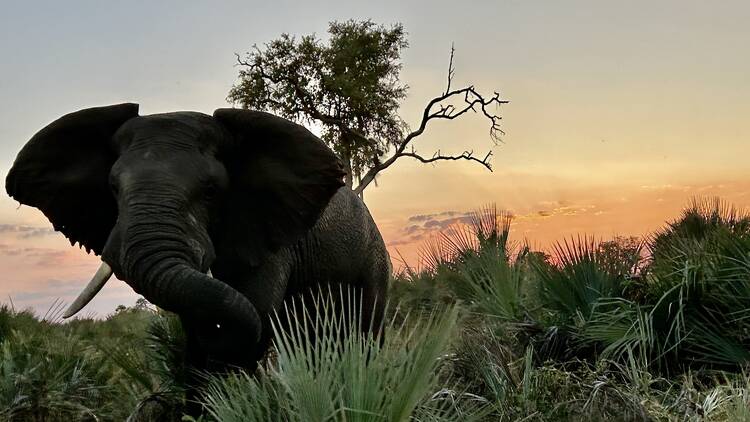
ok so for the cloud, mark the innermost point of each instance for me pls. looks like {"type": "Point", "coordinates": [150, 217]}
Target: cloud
{"type": "Point", "coordinates": [444, 224]}
{"type": "Point", "coordinates": [423, 225]}
{"type": "Point", "coordinates": [433, 222]}
{"type": "Point", "coordinates": [46, 291]}
{"type": "Point", "coordinates": [49, 297]}
{"type": "Point", "coordinates": [406, 240]}
{"type": "Point", "coordinates": [26, 232]}
{"type": "Point", "coordinates": [53, 294]}
{"type": "Point", "coordinates": [399, 242]}
{"type": "Point", "coordinates": [426, 217]}
{"type": "Point", "coordinates": [412, 229]}
{"type": "Point", "coordinates": [554, 204]}
{"type": "Point", "coordinates": [560, 208]}
{"type": "Point", "coordinates": [39, 256]}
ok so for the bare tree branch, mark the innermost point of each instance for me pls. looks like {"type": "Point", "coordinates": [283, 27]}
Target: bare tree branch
{"type": "Point", "coordinates": [445, 107]}
{"type": "Point", "coordinates": [466, 155]}
{"type": "Point", "coordinates": [472, 101]}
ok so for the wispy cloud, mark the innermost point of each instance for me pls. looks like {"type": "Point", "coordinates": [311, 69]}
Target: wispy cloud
{"type": "Point", "coordinates": [562, 210]}
{"type": "Point", "coordinates": [436, 224]}
{"type": "Point", "coordinates": [51, 289]}
{"type": "Point", "coordinates": [427, 217]}
{"type": "Point", "coordinates": [421, 226]}
{"type": "Point", "coordinates": [436, 221]}
{"type": "Point", "coordinates": [26, 232]}
{"type": "Point", "coordinates": [54, 294]}
{"type": "Point", "coordinates": [37, 256]}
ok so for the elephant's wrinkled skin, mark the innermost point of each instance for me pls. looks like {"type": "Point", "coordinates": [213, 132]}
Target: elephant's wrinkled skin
{"type": "Point", "coordinates": [257, 200]}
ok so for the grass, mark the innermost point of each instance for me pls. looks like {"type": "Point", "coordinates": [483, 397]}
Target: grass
{"type": "Point", "coordinates": [55, 372]}
{"type": "Point", "coordinates": [624, 329]}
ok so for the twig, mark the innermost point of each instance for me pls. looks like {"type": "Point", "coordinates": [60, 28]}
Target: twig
{"type": "Point", "coordinates": [451, 70]}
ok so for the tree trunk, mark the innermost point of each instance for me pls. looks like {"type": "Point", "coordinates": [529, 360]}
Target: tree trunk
{"type": "Point", "coordinates": [347, 160]}
{"type": "Point", "coordinates": [361, 193]}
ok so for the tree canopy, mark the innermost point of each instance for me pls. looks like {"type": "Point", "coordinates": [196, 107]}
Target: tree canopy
{"type": "Point", "coordinates": [350, 86]}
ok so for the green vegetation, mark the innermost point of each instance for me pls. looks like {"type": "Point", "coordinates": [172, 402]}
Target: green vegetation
{"type": "Point", "coordinates": [618, 329]}
{"type": "Point", "coordinates": [487, 330]}
{"type": "Point", "coordinates": [76, 371]}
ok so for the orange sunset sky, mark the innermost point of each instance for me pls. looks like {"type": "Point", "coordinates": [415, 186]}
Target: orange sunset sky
{"type": "Point", "coordinates": [619, 112]}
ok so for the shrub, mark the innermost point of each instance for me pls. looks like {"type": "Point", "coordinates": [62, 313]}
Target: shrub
{"type": "Point", "coordinates": [322, 375]}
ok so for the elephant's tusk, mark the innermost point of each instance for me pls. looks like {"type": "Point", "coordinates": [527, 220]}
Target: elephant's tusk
{"type": "Point", "coordinates": [97, 282]}
{"type": "Point", "coordinates": [208, 273]}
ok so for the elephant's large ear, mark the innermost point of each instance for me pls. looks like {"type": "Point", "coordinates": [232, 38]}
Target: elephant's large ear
{"type": "Point", "coordinates": [282, 177]}
{"type": "Point", "coordinates": [64, 169]}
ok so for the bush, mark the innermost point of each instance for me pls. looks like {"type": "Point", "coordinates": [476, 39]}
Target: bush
{"type": "Point", "coordinates": [321, 375]}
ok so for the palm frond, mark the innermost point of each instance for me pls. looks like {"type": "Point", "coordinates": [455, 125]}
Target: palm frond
{"type": "Point", "coordinates": [328, 369]}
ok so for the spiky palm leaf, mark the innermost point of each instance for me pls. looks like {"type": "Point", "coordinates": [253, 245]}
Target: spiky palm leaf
{"type": "Point", "coordinates": [329, 370]}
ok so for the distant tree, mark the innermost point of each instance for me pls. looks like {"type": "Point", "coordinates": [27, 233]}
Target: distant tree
{"type": "Point", "coordinates": [141, 304]}
{"type": "Point", "coordinates": [622, 255]}
{"type": "Point", "coordinates": [350, 86]}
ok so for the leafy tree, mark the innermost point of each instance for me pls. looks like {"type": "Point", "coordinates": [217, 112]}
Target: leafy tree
{"type": "Point", "coordinates": [623, 256]}
{"type": "Point", "coordinates": [141, 304]}
{"type": "Point", "coordinates": [350, 86]}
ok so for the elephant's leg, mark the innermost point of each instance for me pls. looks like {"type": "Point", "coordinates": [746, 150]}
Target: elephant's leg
{"type": "Point", "coordinates": [267, 287]}
{"type": "Point", "coordinates": [374, 280]}
{"type": "Point", "coordinates": [212, 354]}
{"type": "Point", "coordinates": [195, 364]}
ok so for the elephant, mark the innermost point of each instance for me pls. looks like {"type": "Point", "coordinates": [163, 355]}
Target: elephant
{"type": "Point", "coordinates": [219, 219]}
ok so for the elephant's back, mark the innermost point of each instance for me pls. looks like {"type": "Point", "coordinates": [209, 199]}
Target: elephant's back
{"type": "Point", "coordinates": [347, 222]}
{"type": "Point", "coordinates": [345, 244]}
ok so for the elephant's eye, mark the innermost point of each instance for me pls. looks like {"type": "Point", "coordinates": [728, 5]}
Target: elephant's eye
{"type": "Point", "coordinates": [210, 191]}
{"type": "Point", "coordinates": [115, 188]}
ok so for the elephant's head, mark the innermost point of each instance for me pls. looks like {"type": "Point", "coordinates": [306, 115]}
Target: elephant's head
{"type": "Point", "coordinates": [162, 197]}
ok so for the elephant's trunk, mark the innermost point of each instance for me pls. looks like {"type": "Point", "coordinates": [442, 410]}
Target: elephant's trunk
{"type": "Point", "coordinates": [162, 262]}
{"type": "Point", "coordinates": [179, 288]}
